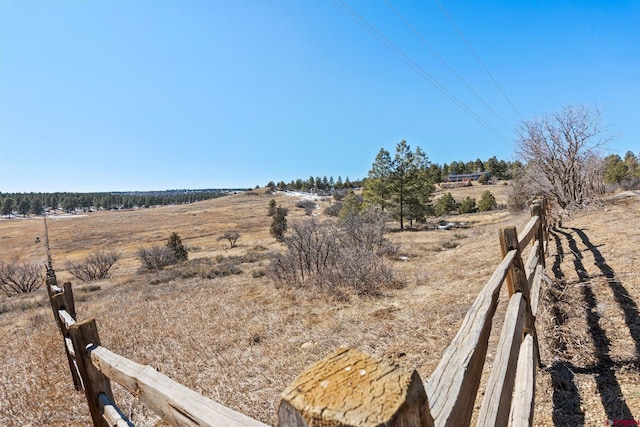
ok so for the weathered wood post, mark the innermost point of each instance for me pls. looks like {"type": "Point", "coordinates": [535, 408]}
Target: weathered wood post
{"type": "Point", "coordinates": [537, 210]}
{"type": "Point", "coordinates": [84, 336]}
{"type": "Point", "coordinates": [349, 388]}
{"type": "Point", "coordinates": [63, 301]}
{"type": "Point", "coordinates": [516, 279]}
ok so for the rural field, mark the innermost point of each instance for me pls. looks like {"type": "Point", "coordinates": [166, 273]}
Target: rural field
{"type": "Point", "coordinates": [221, 327]}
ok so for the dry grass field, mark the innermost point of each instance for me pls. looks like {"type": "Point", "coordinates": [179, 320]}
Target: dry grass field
{"type": "Point", "coordinates": [240, 340]}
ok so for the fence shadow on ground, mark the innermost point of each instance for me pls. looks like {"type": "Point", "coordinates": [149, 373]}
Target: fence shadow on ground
{"type": "Point", "coordinates": [566, 395]}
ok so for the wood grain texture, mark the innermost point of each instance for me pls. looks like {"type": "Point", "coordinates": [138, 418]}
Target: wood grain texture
{"type": "Point", "coordinates": [452, 387]}
{"type": "Point", "coordinates": [175, 403]}
{"type": "Point", "coordinates": [349, 388]}
{"type": "Point", "coordinates": [532, 261]}
{"type": "Point", "coordinates": [524, 392]}
{"type": "Point", "coordinates": [537, 210]}
{"type": "Point", "coordinates": [496, 403]}
{"type": "Point", "coordinates": [530, 230]}
{"type": "Point", "coordinates": [111, 413]}
{"type": "Point", "coordinates": [84, 336]}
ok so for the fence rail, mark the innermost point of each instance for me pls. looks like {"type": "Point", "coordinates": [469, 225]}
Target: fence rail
{"type": "Point", "coordinates": [447, 398]}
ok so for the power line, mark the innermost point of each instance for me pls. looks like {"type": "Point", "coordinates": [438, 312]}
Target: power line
{"type": "Point", "coordinates": [453, 24]}
{"type": "Point", "coordinates": [446, 64]}
{"type": "Point", "coordinates": [382, 39]}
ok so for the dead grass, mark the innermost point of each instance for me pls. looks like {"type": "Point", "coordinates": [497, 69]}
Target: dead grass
{"type": "Point", "coordinates": [239, 340]}
{"type": "Point", "coordinates": [590, 324]}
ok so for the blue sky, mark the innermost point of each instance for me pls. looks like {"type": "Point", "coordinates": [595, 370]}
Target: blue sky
{"type": "Point", "coordinates": [113, 95]}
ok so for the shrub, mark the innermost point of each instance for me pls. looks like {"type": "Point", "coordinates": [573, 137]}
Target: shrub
{"type": "Point", "coordinates": [96, 266]}
{"type": "Point", "coordinates": [20, 278]}
{"type": "Point", "coordinates": [518, 195]}
{"type": "Point", "coordinates": [335, 258]}
{"type": "Point", "coordinates": [156, 258]}
{"type": "Point", "coordinates": [339, 195]}
{"type": "Point", "coordinates": [258, 273]}
{"type": "Point", "coordinates": [487, 201]}
{"type": "Point", "coordinates": [175, 244]}
{"type": "Point", "coordinates": [333, 210]}
{"type": "Point", "coordinates": [307, 205]}
{"type": "Point", "coordinates": [231, 235]}
{"type": "Point", "coordinates": [467, 205]}
{"type": "Point", "coordinates": [272, 208]}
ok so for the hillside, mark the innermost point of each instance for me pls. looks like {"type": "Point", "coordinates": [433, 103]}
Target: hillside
{"type": "Point", "coordinates": [240, 340]}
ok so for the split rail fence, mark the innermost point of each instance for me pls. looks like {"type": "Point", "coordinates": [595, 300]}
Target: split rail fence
{"type": "Point", "coordinates": [349, 388]}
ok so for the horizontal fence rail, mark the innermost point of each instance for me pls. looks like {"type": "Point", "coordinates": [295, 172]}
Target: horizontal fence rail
{"type": "Point", "coordinates": [348, 387]}
{"type": "Point", "coordinates": [93, 367]}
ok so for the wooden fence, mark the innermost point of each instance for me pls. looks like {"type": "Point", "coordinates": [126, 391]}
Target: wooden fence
{"type": "Point", "coordinates": [347, 387]}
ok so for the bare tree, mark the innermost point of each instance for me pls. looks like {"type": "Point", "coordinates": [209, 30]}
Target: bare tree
{"type": "Point", "coordinates": [20, 278]}
{"type": "Point", "coordinates": [336, 257]}
{"type": "Point", "coordinates": [231, 235]}
{"type": "Point", "coordinates": [96, 266]}
{"type": "Point", "coordinates": [562, 154]}
{"type": "Point", "coordinates": [156, 258]}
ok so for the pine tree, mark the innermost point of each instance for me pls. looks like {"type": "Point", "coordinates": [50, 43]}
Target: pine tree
{"type": "Point", "coordinates": [377, 191]}
{"type": "Point", "coordinates": [446, 204]}
{"type": "Point", "coordinates": [23, 207]}
{"type": "Point", "coordinates": [279, 223]}
{"type": "Point", "coordinates": [487, 202]}
{"type": "Point", "coordinates": [351, 205]}
{"type": "Point", "coordinates": [7, 207]}
{"type": "Point", "coordinates": [36, 206]}
{"type": "Point", "coordinates": [175, 244]}
{"type": "Point", "coordinates": [410, 185]}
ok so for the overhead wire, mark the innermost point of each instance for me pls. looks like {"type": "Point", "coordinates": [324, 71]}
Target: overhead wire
{"type": "Point", "coordinates": [486, 69]}
{"type": "Point", "coordinates": [382, 39]}
{"type": "Point", "coordinates": [446, 64]}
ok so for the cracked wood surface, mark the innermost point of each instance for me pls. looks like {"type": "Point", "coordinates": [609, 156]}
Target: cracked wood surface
{"type": "Point", "coordinates": [349, 388]}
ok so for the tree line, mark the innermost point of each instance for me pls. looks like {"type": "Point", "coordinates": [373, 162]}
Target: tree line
{"type": "Point", "coordinates": [437, 173]}
{"type": "Point", "coordinates": [623, 172]}
{"type": "Point", "coordinates": [37, 203]}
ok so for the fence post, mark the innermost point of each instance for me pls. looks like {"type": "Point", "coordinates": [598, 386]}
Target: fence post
{"type": "Point", "coordinates": [349, 388]}
{"type": "Point", "coordinates": [516, 279]}
{"type": "Point", "coordinates": [84, 336]}
{"type": "Point", "coordinates": [63, 301]}
{"type": "Point", "coordinates": [537, 210]}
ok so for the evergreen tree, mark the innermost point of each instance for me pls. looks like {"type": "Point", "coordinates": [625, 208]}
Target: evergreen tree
{"type": "Point", "coordinates": [631, 161]}
{"type": "Point", "coordinates": [175, 244]}
{"type": "Point", "coordinates": [23, 207]}
{"type": "Point", "coordinates": [7, 207]}
{"type": "Point", "coordinates": [467, 205]}
{"type": "Point", "coordinates": [69, 204]}
{"type": "Point", "coordinates": [487, 202]}
{"type": "Point", "coordinates": [36, 206]}
{"type": "Point", "coordinates": [435, 173]}
{"type": "Point", "coordinates": [351, 205]}
{"type": "Point", "coordinates": [445, 204]}
{"type": "Point", "coordinates": [272, 208]}
{"type": "Point", "coordinates": [410, 186]}
{"type": "Point", "coordinates": [377, 187]}
{"type": "Point", "coordinates": [615, 170]}
{"type": "Point", "coordinates": [279, 223]}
